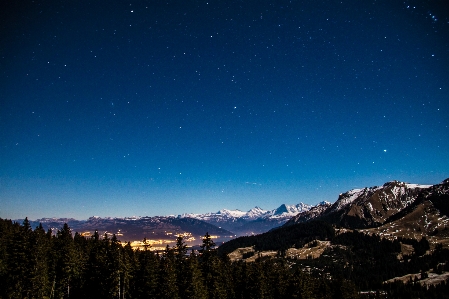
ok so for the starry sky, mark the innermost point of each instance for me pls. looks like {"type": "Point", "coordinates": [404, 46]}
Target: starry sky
{"type": "Point", "coordinates": [166, 107]}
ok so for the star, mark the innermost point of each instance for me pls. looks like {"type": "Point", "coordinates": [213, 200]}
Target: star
{"type": "Point", "coordinates": [292, 82]}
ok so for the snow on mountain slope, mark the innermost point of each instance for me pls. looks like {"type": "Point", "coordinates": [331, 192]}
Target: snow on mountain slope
{"type": "Point", "coordinates": [417, 186]}
{"type": "Point", "coordinates": [255, 213]}
{"type": "Point", "coordinates": [366, 207]}
{"type": "Point", "coordinates": [347, 198]}
{"type": "Point", "coordinates": [283, 211]}
{"type": "Point", "coordinates": [392, 195]}
{"type": "Point", "coordinates": [256, 220]}
{"type": "Point", "coordinates": [288, 211]}
{"type": "Point", "coordinates": [231, 213]}
{"type": "Point", "coordinates": [312, 213]}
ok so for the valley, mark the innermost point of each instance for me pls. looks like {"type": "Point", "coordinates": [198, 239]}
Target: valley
{"type": "Point", "coordinates": [390, 240]}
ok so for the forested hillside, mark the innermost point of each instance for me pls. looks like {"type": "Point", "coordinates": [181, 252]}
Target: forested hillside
{"type": "Point", "coordinates": [367, 260]}
{"type": "Point", "coordinates": [282, 238]}
{"type": "Point", "coordinates": [37, 264]}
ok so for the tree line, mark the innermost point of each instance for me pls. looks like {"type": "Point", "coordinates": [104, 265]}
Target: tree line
{"type": "Point", "coordinates": [40, 264]}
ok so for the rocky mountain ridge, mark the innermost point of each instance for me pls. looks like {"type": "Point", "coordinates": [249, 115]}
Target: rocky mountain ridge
{"type": "Point", "coordinates": [367, 207]}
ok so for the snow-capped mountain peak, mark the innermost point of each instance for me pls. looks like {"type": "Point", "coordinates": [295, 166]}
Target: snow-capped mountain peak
{"type": "Point", "coordinates": [231, 213]}
{"type": "Point", "coordinates": [283, 211]}
{"type": "Point", "coordinates": [255, 213]}
{"type": "Point", "coordinates": [288, 211]}
{"type": "Point", "coordinates": [256, 220]}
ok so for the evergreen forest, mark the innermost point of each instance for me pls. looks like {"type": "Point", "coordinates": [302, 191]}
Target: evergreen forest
{"type": "Point", "coordinates": [35, 263]}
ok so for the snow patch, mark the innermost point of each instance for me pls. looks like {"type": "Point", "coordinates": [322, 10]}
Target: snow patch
{"type": "Point", "coordinates": [232, 213]}
{"type": "Point", "coordinates": [412, 186]}
{"type": "Point", "coordinates": [347, 198]}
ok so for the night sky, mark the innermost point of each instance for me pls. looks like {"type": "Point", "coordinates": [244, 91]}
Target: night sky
{"type": "Point", "coordinates": [156, 108]}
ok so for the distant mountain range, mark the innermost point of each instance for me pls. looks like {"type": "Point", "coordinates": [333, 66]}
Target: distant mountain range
{"type": "Point", "coordinates": [224, 223]}
{"type": "Point", "coordinates": [371, 208]}
{"type": "Point", "coordinates": [254, 221]}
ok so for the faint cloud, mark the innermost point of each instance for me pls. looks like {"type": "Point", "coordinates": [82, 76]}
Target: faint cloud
{"type": "Point", "coordinates": [252, 183]}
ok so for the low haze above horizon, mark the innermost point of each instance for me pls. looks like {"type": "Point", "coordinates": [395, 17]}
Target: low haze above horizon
{"type": "Point", "coordinates": [147, 108]}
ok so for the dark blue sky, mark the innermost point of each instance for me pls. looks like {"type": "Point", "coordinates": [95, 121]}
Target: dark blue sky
{"type": "Point", "coordinates": [157, 108]}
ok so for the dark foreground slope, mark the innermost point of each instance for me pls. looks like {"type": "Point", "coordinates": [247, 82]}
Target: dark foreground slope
{"type": "Point", "coordinates": [282, 238]}
{"type": "Point", "coordinates": [35, 264]}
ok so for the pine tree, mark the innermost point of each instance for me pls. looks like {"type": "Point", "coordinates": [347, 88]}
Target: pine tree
{"type": "Point", "coordinates": [180, 247]}
{"type": "Point", "coordinates": [239, 276]}
{"type": "Point", "coordinates": [256, 281]}
{"type": "Point", "coordinates": [167, 282]}
{"type": "Point", "coordinates": [194, 287]}
{"type": "Point", "coordinates": [169, 253]}
{"type": "Point", "coordinates": [41, 248]}
{"type": "Point", "coordinates": [66, 269]}
{"type": "Point", "coordinates": [344, 289]}
{"type": "Point", "coordinates": [228, 280]}
{"type": "Point", "coordinates": [95, 268]}
{"type": "Point", "coordinates": [181, 267]}
{"type": "Point", "coordinates": [6, 233]}
{"type": "Point", "coordinates": [214, 277]}
{"type": "Point", "coordinates": [19, 262]}
{"type": "Point", "coordinates": [211, 269]}
{"type": "Point", "coordinates": [127, 269]}
{"type": "Point", "coordinates": [112, 267]}
{"type": "Point", "coordinates": [278, 275]}
{"type": "Point", "coordinates": [301, 286]}
{"type": "Point", "coordinates": [208, 245]}
{"type": "Point", "coordinates": [144, 284]}
{"type": "Point", "coordinates": [81, 245]}
{"type": "Point", "coordinates": [324, 289]}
